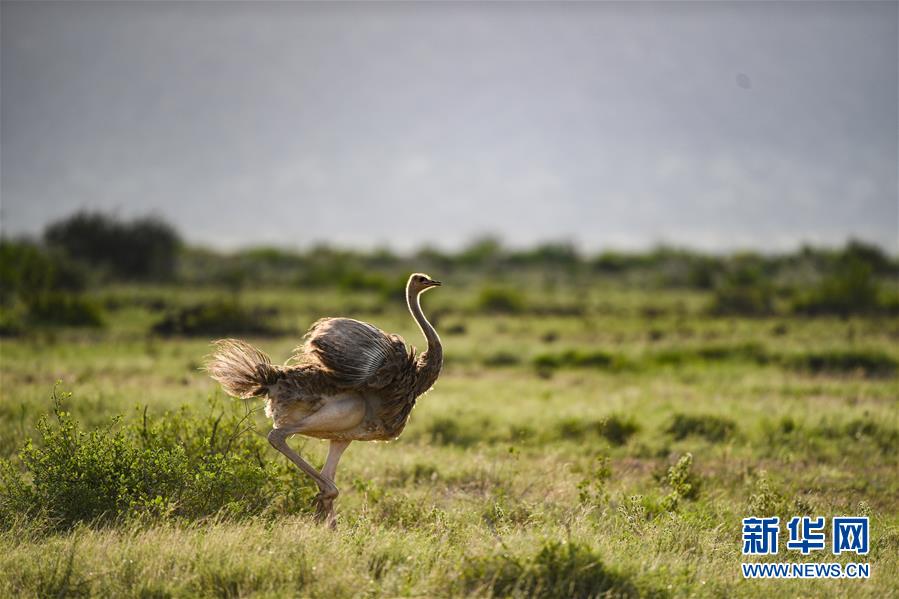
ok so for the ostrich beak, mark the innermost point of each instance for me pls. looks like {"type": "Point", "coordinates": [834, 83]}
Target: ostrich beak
{"type": "Point", "coordinates": [435, 283]}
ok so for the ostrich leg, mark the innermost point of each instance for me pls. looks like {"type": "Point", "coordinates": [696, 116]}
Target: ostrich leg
{"type": "Point", "coordinates": [334, 417]}
{"type": "Point", "coordinates": [329, 471]}
{"type": "Point", "coordinates": [278, 438]}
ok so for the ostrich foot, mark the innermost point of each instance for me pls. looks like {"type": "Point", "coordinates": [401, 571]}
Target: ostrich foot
{"type": "Point", "coordinates": [324, 509]}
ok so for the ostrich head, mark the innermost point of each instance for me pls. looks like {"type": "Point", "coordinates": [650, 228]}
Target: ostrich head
{"type": "Point", "coordinates": [419, 282]}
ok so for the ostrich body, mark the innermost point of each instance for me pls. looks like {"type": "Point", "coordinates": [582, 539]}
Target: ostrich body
{"type": "Point", "coordinates": [349, 381]}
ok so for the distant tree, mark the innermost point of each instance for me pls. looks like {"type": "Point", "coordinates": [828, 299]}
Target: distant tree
{"type": "Point", "coordinates": [143, 249]}
{"type": "Point", "coordinates": [560, 254]}
{"type": "Point", "coordinates": [866, 253]}
{"type": "Point", "coordinates": [483, 251]}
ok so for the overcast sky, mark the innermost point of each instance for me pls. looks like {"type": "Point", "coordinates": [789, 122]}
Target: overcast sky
{"type": "Point", "coordinates": [711, 125]}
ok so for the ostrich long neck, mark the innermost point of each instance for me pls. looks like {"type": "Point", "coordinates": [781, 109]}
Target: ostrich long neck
{"type": "Point", "coordinates": [429, 363]}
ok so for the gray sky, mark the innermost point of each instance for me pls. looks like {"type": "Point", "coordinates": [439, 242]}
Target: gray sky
{"type": "Point", "coordinates": [711, 125]}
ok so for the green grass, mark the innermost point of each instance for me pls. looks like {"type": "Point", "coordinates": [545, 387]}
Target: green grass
{"type": "Point", "coordinates": [550, 460]}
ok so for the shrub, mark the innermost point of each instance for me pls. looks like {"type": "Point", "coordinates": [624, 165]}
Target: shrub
{"type": "Point", "coordinates": [220, 317]}
{"type": "Point", "coordinates": [560, 255]}
{"type": "Point", "coordinates": [744, 292]}
{"type": "Point", "coordinates": [885, 437]}
{"type": "Point", "coordinates": [868, 363]}
{"type": "Point", "coordinates": [500, 300]}
{"type": "Point", "coordinates": [502, 359]}
{"type": "Point", "coordinates": [851, 289]}
{"type": "Point", "coordinates": [577, 358]}
{"type": "Point", "coordinates": [751, 352]}
{"type": "Point", "coordinates": [27, 271]}
{"type": "Point", "coordinates": [354, 280]}
{"type": "Point", "coordinates": [178, 467]}
{"type": "Point", "coordinates": [10, 324]}
{"type": "Point", "coordinates": [558, 570]}
{"type": "Point", "coordinates": [711, 428]}
{"type": "Point", "coordinates": [482, 252]}
{"type": "Point", "coordinates": [457, 328]}
{"type": "Point", "coordinates": [682, 481]}
{"type": "Point", "coordinates": [64, 310]}
{"type": "Point", "coordinates": [765, 500]}
{"type": "Point", "coordinates": [592, 489]}
{"type": "Point", "coordinates": [615, 429]}
{"type": "Point", "coordinates": [451, 431]}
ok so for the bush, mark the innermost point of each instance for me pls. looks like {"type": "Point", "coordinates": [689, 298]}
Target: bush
{"type": "Point", "coordinates": [561, 255]}
{"type": "Point", "coordinates": [483, 252]}
{"type": "Point", "coordinates": [868, 363]}
{"type": "Point", "coordinates": [63, 310]}
{"type": "Point", "coordinates": [27, 271]}
{"type": "Point", "coordinates": [10, 324]}
{"type": "Point", "coordinates": [450, 431]}
{"type": "Point", "coordinates": [711, 428]}
{"type": "Point", "coordinates": [143, 249]}
{"type": "Point", "coordinates": [744, 292]}
{"type": "Point", "coordinates": [884, 436]}
{"type": "Point", "coordinates": [354, 281]}
{"type": "Point", "coordinates": [592, 489]}
{"type": "Point", "coordinates": [682, 481]}
{"type": "Point", "coordinates": [851, 289]}
{"type": "Point", "coordinates": [500, 300]}
{"type": "Point", "coordinates": [502, 358]}
{"type": "Point", "coordinates": [215, 318]}
{"type": "Point", "coordinates": [179, 467]}
{"type": "Point", "coordinates": [577, 358]}
{"type": "Point", "coordinates": [749, 352]}
{"type": "Point", "coordinates": [615, 429]}
{"type": "Point", "coordinates": [563, 570]}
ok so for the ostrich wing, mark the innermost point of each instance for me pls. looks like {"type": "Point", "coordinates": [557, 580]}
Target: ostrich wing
{"type": "Point", "coordinates": [354, 353]}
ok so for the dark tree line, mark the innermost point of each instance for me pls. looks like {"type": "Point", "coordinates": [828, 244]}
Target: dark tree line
{"type": "Point", "coordinates": [145, 249]}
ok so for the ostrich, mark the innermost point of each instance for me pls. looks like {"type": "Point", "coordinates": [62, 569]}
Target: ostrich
{"type": "Point", "coordinates": [349, 381]}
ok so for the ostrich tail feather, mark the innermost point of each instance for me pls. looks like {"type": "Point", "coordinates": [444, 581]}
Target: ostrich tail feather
{"type": "Point", "coordinates": [242, 370]}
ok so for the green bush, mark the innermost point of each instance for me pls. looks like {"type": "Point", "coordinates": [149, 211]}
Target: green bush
{"type": "Point", "coordinates": [502, 358]}
{"type": "Point", "coordinates": [859, 429]}
{"type": "Point", "coordinates": [851, 289]}
{"type": "Point", "coordinates": [11, 324]}
{"type": "Point", "coordinates": [354, 281]}
{"type": "Point", "coordinates": [181, 466]}
{"type": "Point", "coordinates": [868, 363]}
{"type": "Point", "coordinates": [615, 429]}
{"type": "Point", "coordinates": [592, 490]}
{"type": "Point", "coordinates": [683, 482]}
{"type": "Point", "coordinates": [711, 428]}
{"type": "Point", "coordinates": [63, 310]}
{"type": "Point", "coordinates": [215, 318]}
{"type": "Point", "coordinates": [743, 292]}
{"type": "Point", "coordinates": [749, 352]}
{"type": "Point", "coordinates": [451, 431]}
{"type": "Point", "coordinates": [579, 358]}
{"type": "Point", "coordinates": [500, 300]}
{"type": "Point", "coordinates": [27, 271]}
{"type": "Point", "coordinates": [558, 570]}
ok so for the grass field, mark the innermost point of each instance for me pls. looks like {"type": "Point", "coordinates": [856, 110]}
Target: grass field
{"type": "Point", "coordinates": [609, 443]}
